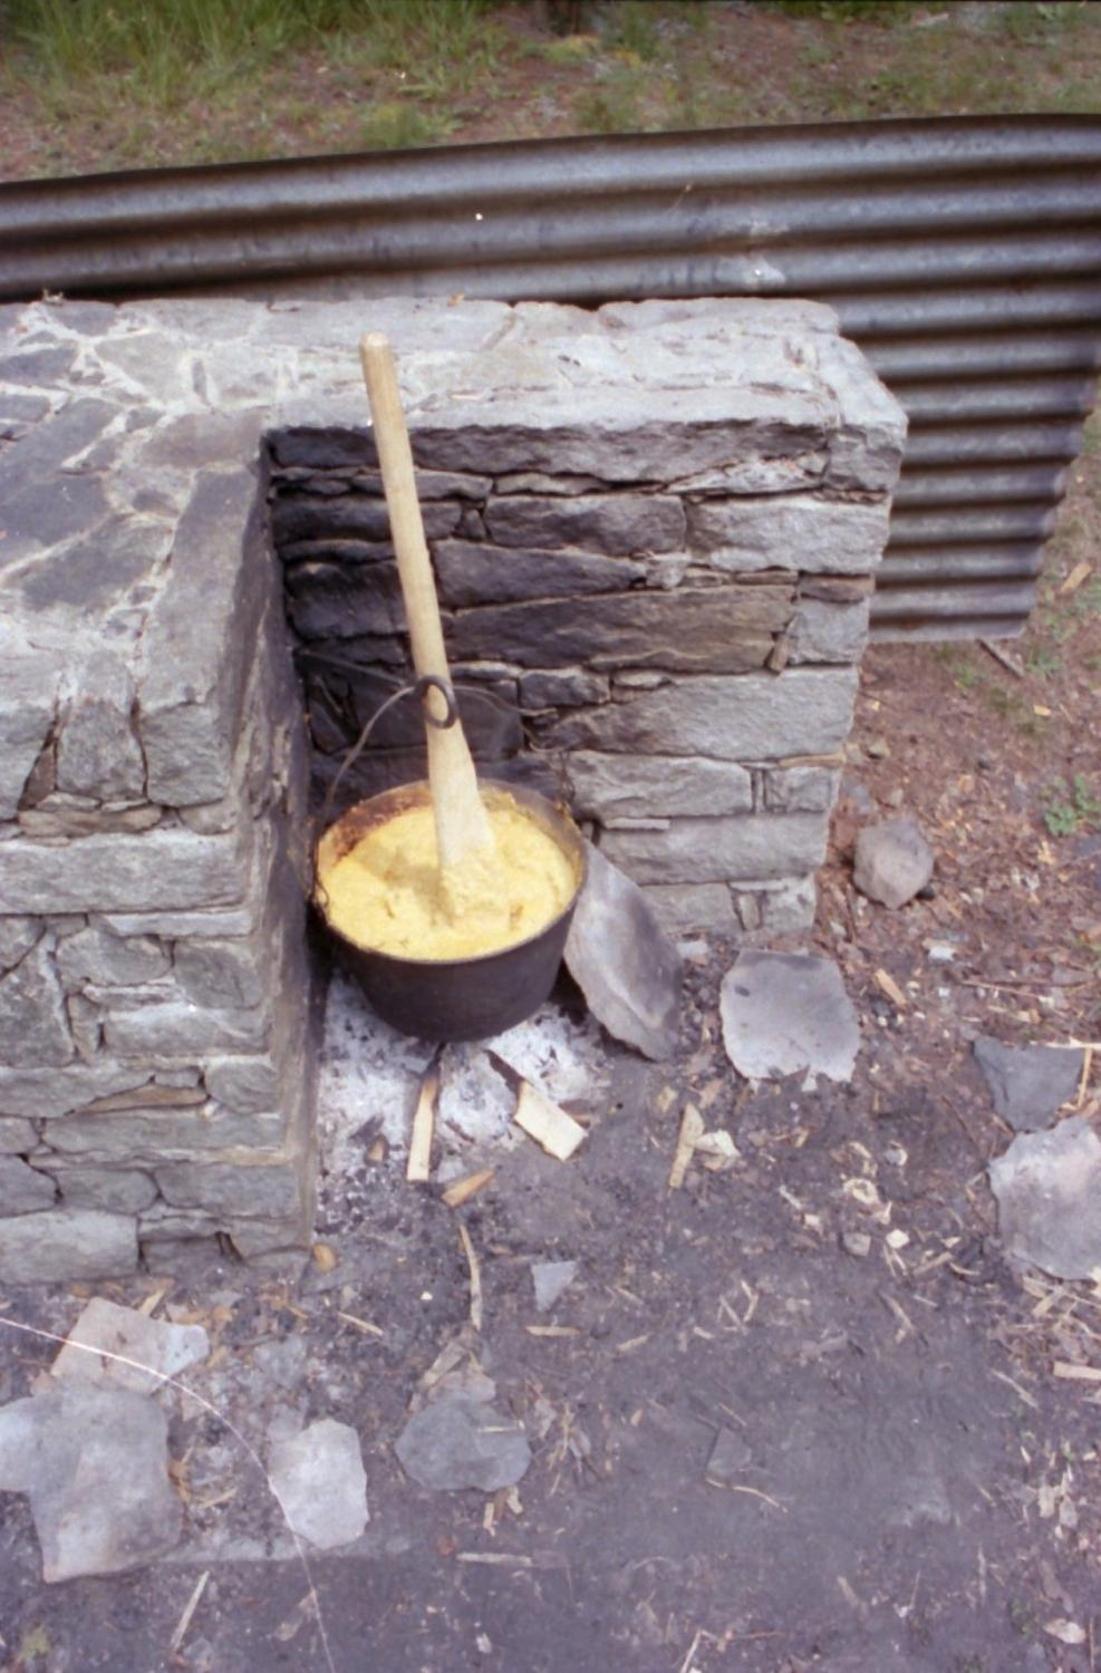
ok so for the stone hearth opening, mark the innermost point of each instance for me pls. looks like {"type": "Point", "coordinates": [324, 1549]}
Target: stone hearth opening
{"type": "Point", "coordinates": [655, 529]}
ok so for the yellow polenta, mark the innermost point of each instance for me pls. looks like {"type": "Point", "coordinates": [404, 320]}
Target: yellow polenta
{"type": "Point", "coordinates": [388, 893]}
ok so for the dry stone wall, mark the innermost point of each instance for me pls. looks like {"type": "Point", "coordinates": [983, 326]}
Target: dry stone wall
{"type": "Point", "coordinates": [655, 529]}
{"type": "Point", "coordinates": [670, 634]}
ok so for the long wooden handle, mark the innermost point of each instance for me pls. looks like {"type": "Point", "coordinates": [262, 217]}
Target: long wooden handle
{"type": "Point", "coordinates": [462, 824]}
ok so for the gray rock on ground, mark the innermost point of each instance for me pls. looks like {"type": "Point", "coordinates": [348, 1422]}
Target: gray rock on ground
{"type": "Point", "coordinates": [1028, 1084]}
{"type": "Point", "coordinates": [892, 861]}
{"type": "Point", "coordinates": [551, 1280]}
{"type": "Point", "coordinates": [623, 962]}
{"type": "Point", "coordinates": [462, 1441]}
{"type": "Point", "coordinates": [318, 1478]}
{"type": "Point", "coordinates": [1048, 1189]}
{"type": "Point", "coordinates": [783, 1013]}
{"type": "Point", "coordinates": [157, 1349]}
{"type": "Point", "coordinates": [94, 1464]}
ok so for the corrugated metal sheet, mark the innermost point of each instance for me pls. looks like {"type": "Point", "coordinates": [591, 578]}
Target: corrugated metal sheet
{"type": "Point", "coordinates": [963, 255]}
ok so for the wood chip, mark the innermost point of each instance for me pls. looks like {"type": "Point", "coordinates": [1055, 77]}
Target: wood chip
{"type": "Point", "coordinates": [1072, 1373]}
{"type": "Point", "coordinates": [190, 1607]}
{"type": "Point", "coordinates": [887, 984]}
{"type": "Point", "coordinates": [475, 1277]}
{"type": "Point", "coordinates": [365, 1325]}
{"type": "Point", "coordinates": [496, 1559]}
{"type": "Point", "coordinates": [552, 1330]}
{"type": "Point", "coordinates": [464, 1189]}
{"type": "Point", "coordinates": [558, 1133]}
{"type": "Point", "coordinates": [152, 1302]}
{"type": "Point", "coordinates": [419, 1165]}
{"type": "Point", "coordinates": [324, 1258]}
{"type": "Point", "coordinates": [1081, 572]}
{"type": "Point", "coordinates": [691, 1130]}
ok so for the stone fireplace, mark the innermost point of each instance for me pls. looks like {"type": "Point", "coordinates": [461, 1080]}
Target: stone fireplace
{"type": "Point", "coordinates": [655, 529]}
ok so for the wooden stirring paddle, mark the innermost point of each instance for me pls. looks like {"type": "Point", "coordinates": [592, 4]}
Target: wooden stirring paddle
{"type": "Point", "coordinates": [462, 823]}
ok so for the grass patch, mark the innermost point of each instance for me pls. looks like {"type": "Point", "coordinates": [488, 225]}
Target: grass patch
{"type": "Point", "coordinates": [1074, 807]}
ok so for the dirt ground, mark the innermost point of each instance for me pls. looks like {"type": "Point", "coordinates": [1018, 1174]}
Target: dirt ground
{"type": "Point", "coordinates": [913, 1487]}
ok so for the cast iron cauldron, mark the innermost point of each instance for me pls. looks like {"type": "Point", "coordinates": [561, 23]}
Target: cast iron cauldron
{"type": "Point", "coordinates": [454, 999]}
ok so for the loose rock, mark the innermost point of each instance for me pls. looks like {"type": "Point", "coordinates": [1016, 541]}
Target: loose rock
{"type": "Point", "coordinates": [787, 1012]}
{"type": "Point", "coordinates": [730, 1457]}
{"type": "Point", "coordinates": [94, 1464]}
{"type": "Point", "coordinates": [319, 1480]}
{"type": "Point", "coordinates": [551, 1280]}
{"type": "Point", "coordinates": [459, 1441]}
{"type": "Point", "coordinates": [1048, 1188]}
{"type": "Point", "coordinates": [156, 1348]}
{"type": "Point", "coordinates": [1028, 1083]}
{"type": "Point", "coordinates": [893, 861]}
{"type": "Point", "coordinates": [623, 962]}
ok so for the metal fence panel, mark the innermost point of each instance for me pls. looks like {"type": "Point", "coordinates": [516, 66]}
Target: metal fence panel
{"type": "Point", "coordinates": [963, 255]}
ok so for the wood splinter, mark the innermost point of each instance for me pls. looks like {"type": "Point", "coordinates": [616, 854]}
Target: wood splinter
{"type": "Point", "coordinates": [557, 1132]}
{"type": "Point", "coordinates": [419, 1167]}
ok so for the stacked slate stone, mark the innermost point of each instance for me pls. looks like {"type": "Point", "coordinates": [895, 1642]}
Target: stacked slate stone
{"type": "Point", "coordinates": [662, 586]}
{"type": "Point", "coordinates": [655, 528]}
{"type": "Point", "coordinates": [155, 1076]}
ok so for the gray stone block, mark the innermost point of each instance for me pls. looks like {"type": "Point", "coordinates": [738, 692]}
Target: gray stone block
{"type": "Point", "coordinates": [113, 1190]}
{"type": "Point", "coordinates": [787, 907]}
{"type": "Point", "coordinates": [326, 601]}
{"type": "Point", "coordinates": [822, 632]}
{"type": "Point", "coordinates": [160, 871]}
{"type": "Point", "coordinates": [226, 973]}
{"type": "Point", "coordinates": [682, 908]}
{"type": "Point", "coordinates": [140, 1137]}
{"type": "Point", "coordinates": [97, 752]}
{"type": "Point", "coordinates": [353, 517]}
{"type": "Point", "coordinates": [22, 1189]}
{"type": "Point", "coordinates": [468, 573]}
{"type": "Point", "coordinates": [17, 937]}
{"type": "Point", "coordinates": [801, 533]}
{"type": "Point", "coordinates": [34, 1026]}
{"type": "Point", "coordinates": [744, 849]}
{"type": "Point", "coordinates": [100, 569]}
{"type": "Point", "coordinates": [693, 630]}
{"type": "Point", "coordinates": [607, 787]}
{"type": "Point", "coordinates": [253, 1188]}
{"type": "Point", "coordinates": [618, 523]}
{"type": "Point", "coordinates": [16, 1137]}
{"type": "Point", "coordinates": [244, 1084]}
{"type": "Point", "coordinates": [758, 476]}
{"type": "Point", "coordinates": [751, 717]}
{"type": "Point", "coordinates": [95, 956]}
{"type": "Point", "coordinates": [58, 1245]}
{"type": "Point", "coordinates": [41, 454]}
{"type": "Point", "coordinates": [181, 1030]}
{"type": "Point", "coordinates": [200, 642]}
{"type": "Point", "coordinates": [801, 789]}
{"type": "Point", "coordinates": [564, 688]}
{"type": "Point", "coordinates": [40, 367]}
{"type": "Point", "coordinates": [41, 1093]}
{"type": "Point", "coordinates": [28, 691]}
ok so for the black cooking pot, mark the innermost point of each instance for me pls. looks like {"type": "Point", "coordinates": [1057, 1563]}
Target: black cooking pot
{"type": "Point", "coordinates": [454, 999]}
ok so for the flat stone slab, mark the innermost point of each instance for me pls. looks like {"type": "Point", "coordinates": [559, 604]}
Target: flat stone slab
{"type": "Point", "coordinates": [788, 1013]}
{"type": "Point", "coordinates": [1028, 1084]}
{"type": "Point", "coordinates": [1048, 1189]}
{"type": "Point", "coordinates": [459, 1441]}
{"type": "Point", "coordinates": [623, 962]}
{"type": "Point", "coordinates": [319, 1480]}
{"type": "Point", "coordinates": [118, 1347]}
{"type": "Point", "coordinates": [551, 1280]}
{"type": "Point", "coordinates": [94, 1464]}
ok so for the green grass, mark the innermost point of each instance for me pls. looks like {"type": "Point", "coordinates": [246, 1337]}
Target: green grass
{"type": "Point", "coordinates": [1073, 808]}
{"type": "Point", "coordinates": [94, 84]}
